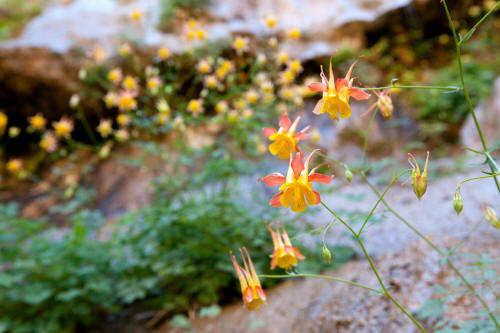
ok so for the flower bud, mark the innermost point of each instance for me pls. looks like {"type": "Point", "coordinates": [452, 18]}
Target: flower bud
{"type": "Point", "coordinates": [348, 175]}
{"type": "Point", "coordinates": [384, 104]}
{"type": "Point", "coordinates": [418, 180]}
{"type": "Point", "coordinates": [14, 131]}
{"type": "Point", "coordinates": [327, 254]}
{"type": "Point", "coordinates": [458, 203]}
{"type": "Point", "coordinates": [74, 101]}
{"type": "Point", "coordinates": [491, 216]}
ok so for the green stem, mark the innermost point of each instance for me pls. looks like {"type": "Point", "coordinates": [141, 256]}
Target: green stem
{"type": "Point", "coordinates": [381, 198]}
{"type": "Point", "coordinates": [326, 277]}
{"type": "Point", "coordinates": [466, 93]}
{"type": "Point", "coordinates": [374, 269]}
{"type": "Point", "coordinates": [448, 88]}
{"type": "Point", "coordinates": [475, 178]}
{"type": "Point", "coordinates": [473, 29]}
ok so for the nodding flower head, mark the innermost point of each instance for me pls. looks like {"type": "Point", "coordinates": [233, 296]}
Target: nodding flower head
{"type": "Point", "coordinates": [336, 94]}
{"type": "Point", "coordinates": [418, 180]}
{"type": "Point", "coordinates": [296, 188]}
{"type": "Point", "coordinates": [284, 255]}
{"type": "Point", "coordinates": [253, 294]}
{"type": "Point", "coordinates": [285, 139]}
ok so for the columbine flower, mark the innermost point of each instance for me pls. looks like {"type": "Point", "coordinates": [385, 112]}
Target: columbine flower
{"type": "Point", "coordinates": [296, 188]}
{"type": "Point", "coordinates": [123, 119]}
{"type": "Point", "coordinates": [4, 120]}
{"type": "Point", "coordinates": [195, 106]}
{"type": "Point", "coordinates": [284, 255]}
{"type": "Point", "coordinates": [37, 122]}
{"type": "Point", "coordinates": [63, 127]}
{"type": "Point", "coordinates": [204, 66]}
{"type": "Point", "coordinates": [163, 53]}
{"type": "Point", "coordinates": [48, 142]}
{"type": "Point", "coordinates": [126, 101]}
{"type": "Point", "coordinates": [270, 21]}
{"type": "Point", "coordinates": [418, 181]}
{"type": "Point", "coordinates": [105, 127]}
{"type": "Point", "coordinates": [384, 104]}
{"type": "Point", "coordinates": [240, 44]}
{"type": "Point", "coordinates": [491, 216]}
{"type": "Point", "coordinates": [336, 94]}
{"type": "Point", "coordinates": [294, 33]}
{"type": "Point", "coordinates": [253, 294]}
{"type": "Point", "coordinates": [110, 99]}
{"type": "Point", "coordinates": [14, 165]}
{"type": "Point", "coordinates": [285, 139]}
{"type": "Point", "coordinates": [115, 75]}
{"type": "Point", "coordinates": [130, 83]}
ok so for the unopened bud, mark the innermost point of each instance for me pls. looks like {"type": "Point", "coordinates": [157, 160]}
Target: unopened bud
{"type": "Point", "coordinates": [418, 180]}
{"type": "Point", "coordinates": [385, 105]}
{"type": "Point", "coordinates": [74, 101]}
{"type": "Point", "coordinates": [491, 216]}
{"type": "Point", "coordinates": [327, 254]}
{"type": "Point", "coordinates": [458, 203]}
{"type": "Point", "coordinates": [348, 175]}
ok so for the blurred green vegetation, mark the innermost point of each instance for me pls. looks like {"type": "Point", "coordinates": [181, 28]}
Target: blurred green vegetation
{"type": "Point", "coordinates": [14, 14]}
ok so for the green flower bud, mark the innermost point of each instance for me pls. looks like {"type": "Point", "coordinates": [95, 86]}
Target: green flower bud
{"type": "Point", "coordinates": [327, 254]}
{"type": "Point", "coordinates": [348, 175]}
{"type": "Point", "coordinates": [491, 216]}
{"type": "Point", "coordinates": [458, 203]}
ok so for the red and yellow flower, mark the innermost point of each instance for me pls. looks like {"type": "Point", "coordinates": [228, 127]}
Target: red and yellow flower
{"type": "Point", "coordinates": [284, 255]}
{"type": "Point", "coordinates": [285, 139]}
{"type": "Point", "coordinates": [296, 188]}
{"type": "Point", "coordinates": [336, 94]}
{"type": "Point", "coordinates": [253, 294]}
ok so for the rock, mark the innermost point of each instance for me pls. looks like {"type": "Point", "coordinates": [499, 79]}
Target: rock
{"type": "Point", "coordinates": [488, 114]}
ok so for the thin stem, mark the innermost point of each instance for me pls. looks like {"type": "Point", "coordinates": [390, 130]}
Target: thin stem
{"type": "Point", "coordinates": [476, 178]}
{"type": "Point", "coordinates": [374, 269]}
{"type": "Point", "coordinates": [435, 248]}
{"type": "Point", "coordinates": [473, 29]}
{"type": "Point", "coordinates": [447, 88]}
{"type": "Point", "coordinates": [381, 198]}
{"type": "Point", "coordinates": [325, 277]}
{"type": "Point", "coordinates": [466, 93]}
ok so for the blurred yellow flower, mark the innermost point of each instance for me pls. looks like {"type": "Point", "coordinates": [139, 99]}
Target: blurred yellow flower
{"type": "Point", "coordinates": [282, 58]}
{"type": "Point", "coordinates": [105, 127]}
{"type": "Point", "coordinates": [294, 33]}
{"type": "Point", "coordinates": [110, 99]}
{"type": "Point", "coordinates": [123, 119]}
{"type": "Point", "coordinates": [252, 96]}
{"type": "Point", "coordinates": [163, 53]}
{"type": "Point", "coordinates": [161, 118]}
{"type": "Point", "coordinates": [247, 113]}
{"type": "Point", "coordinates": [136, 14]}
{"type": "Point", "coordinates": [99, 54]}
{"type": "Point", "coordinates": [240, 44]}
{"type": "Point", "coordinates": [14, 165]}
{"type": "Point", "coordinates": [295, 66]}
{"type": "Point", "coordinates": [125, 50]}
{"type": "Point", "coordinates": [286, 77]}
{"type": "Point", "coordinates": [221, 106]}
{"type": "Point", "coordinates": [153, 84]}
{"type": "Point", "coordinates": [122, 135]}
{"type": "Point", "coordinates": [272, 42]}
{"type": "Point", "coordinates": [126, 101]}
{"type": "Point", "coordinates": [115, 75]}
{"type": "Point", "coordinates": [315, 135]}
{"type": "Point", "coordinates": [211, 82]}
{"type": "Point", "coordinates": [195, 106]}
{"type": "Point", "coordinates": [49, 142]}
{"type": "Point", "coordinates": [14, 131]}
{"type": "Point", "coordinates": [38, 121]}
{"type": "Point", "coordinates": [63, 127]}
{"type": "Point", "coordinates": [162, 106]}
{"type": "Point", "coordinates": [200, 34]}
{"type": "Point", "coordinates": [130, 83]}
{"type": "Point", "coordinates": [204, 66]}
{"type": "Point", "coordinates": [270, 21]}
{"type": "Point", "coordinates": [4, 120]}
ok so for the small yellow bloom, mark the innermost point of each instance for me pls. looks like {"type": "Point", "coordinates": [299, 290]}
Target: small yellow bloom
{"type": "Point", "coordinates": [225, 67]}
{"type": "Point", "coordinates": [125, 50]}
{"type": "Point", "coordinates": [240, 44]}
{"type": "Point", "coordinates": [115, 75]}
{"type": "Point", "coordinates": [240, 104]}
{"type": "Point", "coordinates": [161, 118]}
{"type": "Point", "coordinates": [284, 255]}
{"type": "Point", "coordinates": [270, 21]}
{"type": "Point", "coordinates": [105, 127]}
{"type": "Point", "coordinates": [267, 87]}
{"type": "Point", "coordinates": [130, 83]}
{"type": "Point", "coordinates": [315, 135]}
{"type": "Point", "coordinates": [136, 15]}
{"type": "Point", "coordinates": [491, 216]}
{"type": "Point", "coordinates": [49, 142]}
{"type": "Point", "coordinates": [200, 34]}
{"type": "Point", "coordinates": [14, 165]}
{"type": "Point", "coordinates": [14, 131]}
{"type": "Point", "coordinates": [247, 113]}
{"type": "Point", "coordinates": [99, 54]}
{"type": "Point", "coordinates": [295, 66]}
{"type": "Point", "coordinates": [272, 42]}
{"type": "Point", "coordinates": [192, 23]}
{"type": "Point", "coordinates": [204, 66]}
{"type": "Point", "coordinates": [294, 33]}
{"type": "Point", "coordinates": [110, 99]}
{"type": "Point", "coordinates": [153, 83]}
{"type": "Point", "coordinates": [251, 289]}
{"type": "Point", "coordinates": [190, 34]}
{"type": "Point", "coordinates": [63, 127]}
{"type": "Point", "coordinates": [418, 181]}
{"type": "Point", "coordinates": [38, 121]}
{"type": "Point", "coordinates": [195, 106]}
{"type": "Point", "coordinates": [211, 82]}
{"type": "Point", "coordinates": [296, 188]}
{"type": "Point", "coordinates": [163, 107]}
{"type": "Point", "coordinates": [282, 58]}
{"type": "Point", "coordinates": [4, 120]}
{"type": "Point", "coordinates": [285, 139]}
{"type": "Point", "coordinates": [123, 119]}
{"type": "Point", "coordinates": [252, 96]}
{"type": "Point", "coordinates": [163, 53]}
{"type": "Point", "coordinates": [233, 116]}
{"type": "Point", "coordinates": [122, 135]}
{"type": "Point", "coordinates": [126, 101]}
{"type": "Point", "coordinates": [286, 77]}
{"type": "Point", "coordinates": [221, 106]}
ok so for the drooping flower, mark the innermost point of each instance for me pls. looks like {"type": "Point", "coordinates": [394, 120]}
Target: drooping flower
{"type": "Point", "coordinates": [418, 180]}
{"type": "Point", "coordinates": [285, 139]}
{"type": "Point", "coordinates": [384, 104]}
{"type": "Point", "coordinates": [63, 127]}
{"type": "Point", "coordinates": [491, 216]}
{"type": "Point", "coordinates": [284, 255]}
{"type": "Point", "coordinates": [37, 122]}
{"type": "Point", "coordinates": [105, 127]}
{"type": "Point", "coordinates": [336, 94]}
{"type": "Point", "coordinates": [296, 188]}
{"type": "Point", "coordinates": [251, 289]}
